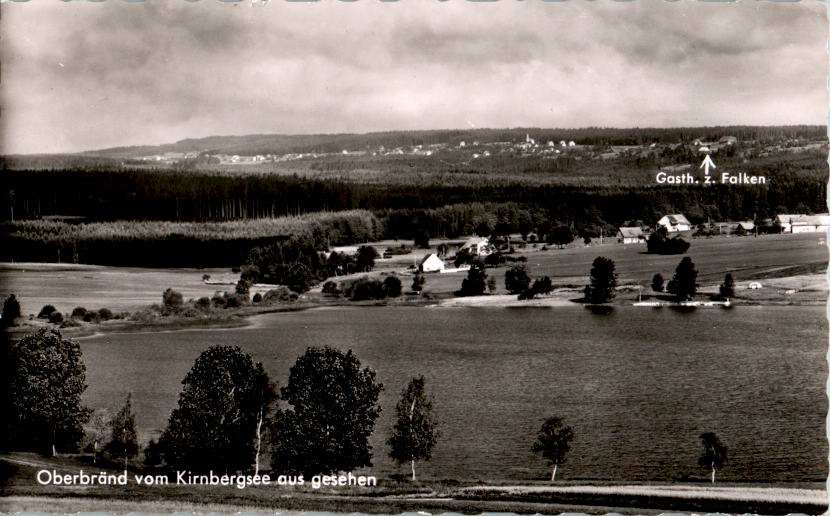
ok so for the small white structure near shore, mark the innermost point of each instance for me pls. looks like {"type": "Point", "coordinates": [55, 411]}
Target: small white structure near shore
{"type": "Point", "coordinates": [431, 263]}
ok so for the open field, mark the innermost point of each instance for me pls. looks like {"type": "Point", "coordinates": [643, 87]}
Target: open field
{"type": "Point", "coordinates": [19, 470]}
{"type": "Point", "coordinates": [781, 262]}
{"type": "Point", "coordinates": [746, 258]}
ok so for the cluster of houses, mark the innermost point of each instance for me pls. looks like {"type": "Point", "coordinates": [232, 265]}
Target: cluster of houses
{"type": "Point", "coordinates": [676, 224]}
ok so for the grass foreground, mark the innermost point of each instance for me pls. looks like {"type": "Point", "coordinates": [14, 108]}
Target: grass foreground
{"type": "Point", "coordinates": [21, 493]}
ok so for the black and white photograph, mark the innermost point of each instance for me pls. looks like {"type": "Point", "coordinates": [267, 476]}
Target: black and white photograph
{"type": "Point", "coordinates": [398, 256]}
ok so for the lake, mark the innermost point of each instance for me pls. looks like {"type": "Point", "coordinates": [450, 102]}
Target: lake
{"type": "Point", "coordinates": [638, 385]}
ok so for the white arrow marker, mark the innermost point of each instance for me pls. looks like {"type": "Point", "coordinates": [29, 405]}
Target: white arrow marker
{"type": "Point", "coordinates": [707, 162]}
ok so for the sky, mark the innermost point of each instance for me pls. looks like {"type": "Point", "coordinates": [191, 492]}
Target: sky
{"type": "Point", "coordinates": [85, 75]}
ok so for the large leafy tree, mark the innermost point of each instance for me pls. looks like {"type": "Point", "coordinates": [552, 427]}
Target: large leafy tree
{"type": "Point", "coordinates": [516, 279]}
{"type": "Point", "coordinates": [554, 442]}
{"type": "Point", "coordinates": [714, 453]}
{"type": "Point", "coordinates": [476, 280]}
{"type": "Point", "coordinates": [45, 379]}
{"type": "Point", "coordinates": [603, 281]}
{"type": "Point", "coordinates": [334, 408]}
{"type": "Point", "coordinates": [218, 422]}
{"type": "Point", "coordinates": [414, 434]}
{"type": "Point", "coordinates": [123, 442]}
{"type": "Point", "coordinates": [684, 283]}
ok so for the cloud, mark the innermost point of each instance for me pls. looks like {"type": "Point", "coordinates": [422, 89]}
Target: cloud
{"type": "Point", "coordinates": [84, 75]}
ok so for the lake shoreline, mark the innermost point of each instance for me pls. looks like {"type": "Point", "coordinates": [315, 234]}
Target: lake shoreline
{"type": "Point", "coordinates": [240, 317]}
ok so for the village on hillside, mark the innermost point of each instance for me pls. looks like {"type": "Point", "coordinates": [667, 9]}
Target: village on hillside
{"type": "Point", "coordinates": [526, 148]}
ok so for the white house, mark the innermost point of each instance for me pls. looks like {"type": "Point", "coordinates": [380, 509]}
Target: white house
{"type": "Point", "coordinates": [675, 222]}
{"type": "Point", "coordinates": [431, 263]}
{"type": "Point", "coordinates": [798, 223]}
{"type": "Point", "coordinates": [631, 235]}
{"type": "Point", "coordinates": [478, 246]}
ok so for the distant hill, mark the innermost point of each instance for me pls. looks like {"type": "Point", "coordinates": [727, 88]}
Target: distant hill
{"type": "Point", "coordinates": [254, 144]}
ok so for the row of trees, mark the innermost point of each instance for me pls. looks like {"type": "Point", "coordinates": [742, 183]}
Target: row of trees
{"type": "Point", "coordinates": [227, 414]}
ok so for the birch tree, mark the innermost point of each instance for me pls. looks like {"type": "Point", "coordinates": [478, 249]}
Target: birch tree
{"type": "Point", "coordinates": [714, 453]}
{"type": "Point", "coordinates": [222, 407]}
{"type": "Point", "coordinates": [414, 434]}
{"type": "Point", "coordinates": [123, 442]}
{"type": "Point", "coordinates": [554, 442]}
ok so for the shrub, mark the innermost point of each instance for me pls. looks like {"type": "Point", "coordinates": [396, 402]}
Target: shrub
{"type": "Point", "coordinates": [46, 311]}
{"type": "Point", "coordinates": [203, 303]}
{"type": "Point", "coordinates": [257, 298]}
{"type": "Point", "coordinates": [172, 298]}
{"type": "Point", "coordinates": [277, 295]}
{"type": "Point", "coordinates": [330, 288]}
{"type": "Point", "coordinates": [78, 312]}
{"type": "Point", "coordinates": [91, 317]}
{"type": "Point", "coordinates": [55, 317]}
{"type": "Point", "coordinates": [516, 279]}
{"type": "Point", "coordinates": [365, 288]}
{"type": "Point", "coordinates": [235, 301]}
{"type": "Point", "coordinates": [657, 282]}
{"type": "Point", "coordinates": [218, 300]}
{"type": "Point", "coordinates": [70, 323]}
{"type": "Point", "coordinates": [105, 314]}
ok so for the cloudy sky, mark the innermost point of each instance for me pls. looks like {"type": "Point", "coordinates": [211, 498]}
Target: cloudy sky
{"type": "Point", "coordinates": [88, 75]}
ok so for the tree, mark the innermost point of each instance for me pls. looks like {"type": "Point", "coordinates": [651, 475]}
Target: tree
{"type": "Point", "coordinates": [421, 240]}
{"type": "Point", "coordinates": [657, 282]}
{"type": "Point", "coordinates": [414, 434]}
{"type": "Point", "coordinates": [11, 311]}
{"type": "Point", "coordinates": [45, 379]}
{"type": "Point", "coordinates": [727, 288]}
{"type": "Point", "coordinates": [123, 439]}
{"type": "Point", "coordinates": [418, 282]}
{"type": "Point", "coordinates": [222, 406]}
{"type": "Point", "coordinates": [172, 298]}
{"type": "Point", "coordinates": [97, 430]}
{"type": "Point", "coordinates": [714, 453]}
{"type": "Point", "coordinates": [243, 287]}
{"type": "Point", "coordinates": [392, 286]}
{"type": "Point", "coordinates": [684, 283]}
{"type": "Point", "coordinates": [516, 279]}
{"type": "Point", "coordinates": [334, 407]}
{"type": "Point", "coordinates": [475, 283]}
{"type": "Point", "coordinates": [603, 281]}
{"type": "Point", "coordinates": [491, 284]}
{"type": "Point", "coordinates": [560, 235]}
{"type": "Point", "coordinates": [542, 286]}
{"type": "Point", "coordinates": [365, 258]}
{"type": "Point", "coordinates": [554, 442]}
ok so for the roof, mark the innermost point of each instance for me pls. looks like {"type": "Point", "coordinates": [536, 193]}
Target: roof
{"type": "Point", "coordinates": [677, 218]}
{"type": "Point", "coordinates": [475, 241]}
{"type": "Point", "coordinates": [427, 257]}
{"type": "Point", "coordinates": [746, 226]}
{"type": "Point", "coordinates": [631, 232]}
{"type": "Point", "coordinates": [797, 219]}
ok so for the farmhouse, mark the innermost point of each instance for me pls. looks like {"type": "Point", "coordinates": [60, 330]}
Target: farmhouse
{"type": "Point", "coordinates": [431, 263]}
{"type": "Point", "coordinates": [477, 246]}
{"type": "Point", "coordinates": [631, 235]}
{"type": "Point", "coordinates": [744, 228]}
{"type": "Point", "coordinates": [675, 223]}
{"type": "Point", "coordinates": [798, 223]}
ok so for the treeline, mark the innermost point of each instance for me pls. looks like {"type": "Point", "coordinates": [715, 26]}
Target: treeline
{"type": "Point", "coordinates": [180, 196]}
{"type": "Point", "coordinates": [587, 212]}
{"type": "Point", "coordinates": [280, 144]}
